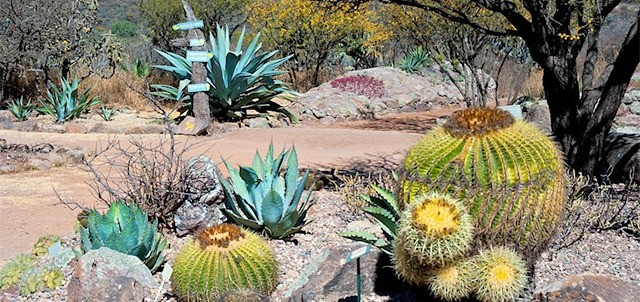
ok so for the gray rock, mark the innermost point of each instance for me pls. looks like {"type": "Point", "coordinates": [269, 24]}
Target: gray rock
{"type": "Point", "coordinates": [635, 107]}
{"type": "Point", "coordinates": [190, 126]}
{"type": "Point", "coordinates": [204, 197]}
{"type": "Point", "coordinates": [631, 96]}
{"type": "Point", "coordinates": [146, 129]}
{"type": "Point", "coordinates": [7, 117]}
{"type": "Point", "coordinates": [621, 157]}
{"type": "Point", "coordinates": [100, 128]}
{"type": "Point", "coordinates": [107, 275]}
{"type": "Point", "coordinates": [327, 278]}
{"type": "Point", "coordinates": [538, 114]}
{"type": "Point", "coordinates": [27, 126]}
{"type": "Point", "coordinates": [257, 122]}
{"type": "Point", "coordinates": [590, 288]}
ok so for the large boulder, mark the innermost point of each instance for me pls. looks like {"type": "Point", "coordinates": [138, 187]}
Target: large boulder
{"type": "Point", "coordinates": [107, 275]}
{"type": "Point", "coordinates": [400, 92]}
{"type": "Point", "coordinates": [589, 288]}
{"type": "Point", "coordinates": [621, 158]}
{"type": "Point", "coordinates": [204, 197]}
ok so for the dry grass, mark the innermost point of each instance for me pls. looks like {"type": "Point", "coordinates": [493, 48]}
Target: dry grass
{"type": "Point", "coordinates": [114, 91]}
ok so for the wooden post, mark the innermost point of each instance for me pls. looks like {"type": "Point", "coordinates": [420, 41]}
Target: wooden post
{"type": "Point", "coordinates": [200, 100]}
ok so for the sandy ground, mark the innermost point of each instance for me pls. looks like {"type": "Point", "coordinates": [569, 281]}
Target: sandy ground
{"type": "Point", "coordinates": [28, 200]}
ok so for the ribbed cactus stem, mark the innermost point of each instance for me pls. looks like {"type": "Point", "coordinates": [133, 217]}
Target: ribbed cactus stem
{"type": "Point", "coordinates": [452, 282]}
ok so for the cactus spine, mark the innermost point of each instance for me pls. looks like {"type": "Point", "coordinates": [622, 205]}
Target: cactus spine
{"type": "Point", "coordinates": [453, 281]}
{"type": "Point", "coordinates": [509, 175]}
{"type": "Point", "coordinates": [222, 259]}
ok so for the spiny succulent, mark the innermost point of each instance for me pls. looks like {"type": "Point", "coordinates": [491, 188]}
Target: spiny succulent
{"type": "Point", "coordinates": [41, 247]}
{"type": "Point", "coordinates": [13, 270]}
{"type": "Point", "coordinates": [125, 229]}
{"type": "Point", "coordinates": [453, 281]}
{"type": "Point", "coordinates": [408, 268]}
{"type": "Point", "coordinates": [222, 259]}
{"type": "Point", "coordinates": [500, 275]}
{"type": "Point", "coordinates": [436, 229]}
{"type": "Point", "coordinates": [509, 175]}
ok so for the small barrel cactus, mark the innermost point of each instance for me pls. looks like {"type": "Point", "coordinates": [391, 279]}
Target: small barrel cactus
{"type": "Point", "coordinates": [125, 229]}
{"type": "Point", "coordinates": [435, 229]}
{"type": "Point", "coordinates": [509, 175]}
{"type": "Point", "coordinates": [223, 259]}
{"type": "Point", "coordinates": [501, 275]}
{"type": "Point", "coordinates": [453, 281]}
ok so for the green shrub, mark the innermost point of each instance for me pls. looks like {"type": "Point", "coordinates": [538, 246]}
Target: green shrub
{"type": "Point", "coordinates": [263, 200]}
{"type": "Point", "coordinates": [124, 29]}
{"type": "Point", "coordinates": [13, 270]}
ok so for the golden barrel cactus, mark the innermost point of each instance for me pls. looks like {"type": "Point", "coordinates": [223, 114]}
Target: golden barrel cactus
{"type": "Point", "coordinates": [223, 259]}
{"type": "Point", "coordinates": [509, 175]}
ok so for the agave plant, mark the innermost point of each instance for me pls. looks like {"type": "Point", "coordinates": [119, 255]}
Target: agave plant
{"type": "Point", "coordinates": [139, 68]}
{"type": "Point", "coordinates": [415, 60]}
{"type": "Point", "coordinates": [240, 79]}
{"type": "Point", "coordinates": [20, 109]}
{"type": "Point", "coordinates": [66, 104]}
{"type": "Point", "coordinates": [264, 200]}
{"type": "Point", "coordinates": [125, 229]}
{"type": "Point", "coordinates": [107, 113]}
{"type": "Point", "coordinates": [383, 208]}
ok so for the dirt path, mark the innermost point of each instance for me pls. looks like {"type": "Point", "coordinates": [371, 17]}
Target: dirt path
{"type": "Point", "coordinates": [27, 199]}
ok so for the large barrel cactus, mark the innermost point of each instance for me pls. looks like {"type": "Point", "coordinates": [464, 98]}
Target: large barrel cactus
{"type": "Point", "coordinates": [223, 259]}
{"type": "Point", "coordinates": [508, 174]}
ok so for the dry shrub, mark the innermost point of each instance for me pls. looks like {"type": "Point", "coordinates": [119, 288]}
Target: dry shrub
{"type": "Point", "coordinates": [594, 207]}
{"type": "Point", "coordinates": [352, 186]}
{"type": "Point", "coordinates": [114, 91]}
{"type": "Point", "coordinates": [152, 175]}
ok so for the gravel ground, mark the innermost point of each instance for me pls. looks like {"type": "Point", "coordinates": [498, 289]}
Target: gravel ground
{"type": "Point", "coordinates": [609, 253]}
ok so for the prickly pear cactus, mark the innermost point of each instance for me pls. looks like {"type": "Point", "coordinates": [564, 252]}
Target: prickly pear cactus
{"type": "Point", "coordinates": [509, 175]}
{"type": "Point", "coordinates": [223, 259]}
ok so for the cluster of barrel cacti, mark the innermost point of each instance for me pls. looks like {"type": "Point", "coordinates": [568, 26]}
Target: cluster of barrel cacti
{"type": "Point", "coordinates": [481, 197]}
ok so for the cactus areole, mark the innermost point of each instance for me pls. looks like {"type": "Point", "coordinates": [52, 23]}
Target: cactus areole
{"type": "Point", "coordinates": [509, 175]}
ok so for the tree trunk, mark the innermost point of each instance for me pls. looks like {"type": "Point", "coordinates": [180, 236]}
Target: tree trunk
{"type": "Point", "coordinates": [582, 123]}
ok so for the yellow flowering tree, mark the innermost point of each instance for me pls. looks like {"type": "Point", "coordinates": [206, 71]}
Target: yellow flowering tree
{"type": "Point", "coordinates": [312, 31]}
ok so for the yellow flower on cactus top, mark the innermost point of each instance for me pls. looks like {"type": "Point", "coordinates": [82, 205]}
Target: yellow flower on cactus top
{"type": "Point", "coordinates": [436, 229]}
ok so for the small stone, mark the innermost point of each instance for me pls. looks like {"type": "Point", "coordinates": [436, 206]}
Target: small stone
{"type": "Point", "coordinates": [74, 128]}
{"type": "Point", "coordinates": [190, 126]}
{"type": "Point", "coordinates": [146, 129]}
{"type": "Point", "coordinates": [7, 117]}
{"type": "Point", "coordinates": [27, 126]}
{"type": "Point", "coordinates": [100, 128]}
{"type": "Point", "coordinates": [589, 287]}
{"type": "Point", "coordinates": [258, 122]}
{"type": "Point", "coordinates": [635, 107]}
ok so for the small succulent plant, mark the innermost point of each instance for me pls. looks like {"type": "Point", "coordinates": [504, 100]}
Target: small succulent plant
{"type": "Point", "coordinates": [382, 208]}
{"type": "Point", "coordinates": [417, 59]}
{"type": "Point", "coordinates": [12, 271]}
{"type": "Point", "coordinates": [20, 109]}
{"type": "Point", "coordinates": [40, 278]}
{"type": "Point", "coordinates": [65, 104]}
{"type": "Point", "coordinates": [107, 113]}
{"type": "Point", "coordinates": [222, 262]}
{"type": "Point", "coordinates": [41, 247]}
{"type": "Point", "coordinates": [125, 229]}
{"type": "Point", "coordinates": [263, 200]}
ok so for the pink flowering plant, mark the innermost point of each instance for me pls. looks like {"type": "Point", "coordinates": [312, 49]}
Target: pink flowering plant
{"type": "Point", "coordinates": [361, 85]}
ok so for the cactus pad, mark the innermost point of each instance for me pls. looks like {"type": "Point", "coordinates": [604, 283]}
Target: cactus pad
{"type": "Point", "coordinates": [501, 275]}
{"type": "Point", "coordinates": [435, 229]}
{"type": "Point", "coordinates": [222, 259]}
{"type": "Point", "coordinates": [509, 175]}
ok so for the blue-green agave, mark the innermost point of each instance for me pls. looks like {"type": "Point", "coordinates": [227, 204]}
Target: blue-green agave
{"type": "Point", "coordinates": [383, 208]}
{"type": "Point", "coordinates": [265, 201]}
{"type": "Point", "coordinates": [65, 104]}
{"type": "Point", "coordinates": [125, 229]}
{"type": "Point", "coordinates": [240, 79]}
